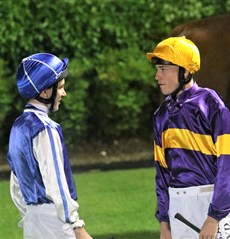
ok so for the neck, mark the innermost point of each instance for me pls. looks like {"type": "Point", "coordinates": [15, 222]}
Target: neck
{"type": "Point", "coordinates": [189, 85]}
{"type": "Point", "coordinates": [38, 103]}
{"type": "Point", "coordinates": [185, 87]}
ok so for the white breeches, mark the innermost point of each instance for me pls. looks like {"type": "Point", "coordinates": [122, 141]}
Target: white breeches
{"type": "Point", "coordinates": [193, 203]}
{"type": "Point", "coordinates": [41, 222]}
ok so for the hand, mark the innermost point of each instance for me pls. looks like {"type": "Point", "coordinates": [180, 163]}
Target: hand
{"type": "Point", "coordinates": [209, 229]}
{"type": "Point", "coordinates": [81, 233]}
{"type": "Point", "coordinates": [165, 232]}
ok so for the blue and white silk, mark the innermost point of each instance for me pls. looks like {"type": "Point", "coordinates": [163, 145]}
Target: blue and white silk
{"type": "Point", "coordinates": [41, 172]}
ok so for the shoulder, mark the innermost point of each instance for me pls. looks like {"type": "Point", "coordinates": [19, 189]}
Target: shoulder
{"type": "Point", "coordinates": [210, 103]}
{"type": "Point", "coordinates": [30, 123]}
{"type": "Point", "coordinates": [210, 97]}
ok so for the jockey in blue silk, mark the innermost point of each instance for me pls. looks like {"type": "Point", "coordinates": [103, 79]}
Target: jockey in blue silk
{"type": "Point", "coordinates": [42, 184]}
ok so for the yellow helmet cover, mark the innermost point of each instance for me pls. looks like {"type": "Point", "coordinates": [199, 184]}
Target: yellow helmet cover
{"type": "Point", "coordinates": [179, 51]}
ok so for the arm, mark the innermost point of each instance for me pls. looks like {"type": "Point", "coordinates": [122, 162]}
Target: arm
{"type": "Point", "coordinates": [16, 194]}
{"type": "Point", "coordinates": [220, 205]}
{"type": "Point", "coordinates": [162, 173]}
{"type": "Point", "coordinates": [209, 228]}
{"type": "Point", "coordinates": [48, 151]}
{"type": "Point", "coordinates": [162, 193]}
{"type": "Point", "coordinates": [162, 181]}
{"type": "Point", "coordinates": [165, 232]}
{"type": "Point", "coordinates": [82, 234]}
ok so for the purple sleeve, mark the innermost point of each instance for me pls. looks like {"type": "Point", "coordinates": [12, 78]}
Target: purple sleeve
{"type": "Point", "coordinates": [220, 205]}
{"type": "Point", "coordinates": [162, 178]}
{"type": "Point", "coordinates": [162, 174]}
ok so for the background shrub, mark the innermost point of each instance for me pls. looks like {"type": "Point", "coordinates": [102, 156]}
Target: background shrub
{"type": "Point", "coordinates": [111, 89]}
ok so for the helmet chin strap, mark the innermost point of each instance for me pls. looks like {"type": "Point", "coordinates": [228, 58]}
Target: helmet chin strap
{"type": "Point", "coordinates": [50, 100]}
{"type": "Point", "coordinates": [182, 81]}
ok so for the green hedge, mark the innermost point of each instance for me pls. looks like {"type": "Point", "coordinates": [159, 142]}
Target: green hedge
{"type": "Point", "coordinates": [111, 88]}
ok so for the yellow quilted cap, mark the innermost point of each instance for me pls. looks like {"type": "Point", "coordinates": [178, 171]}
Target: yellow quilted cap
{"type": "Point", "coordinates": [179, 51]}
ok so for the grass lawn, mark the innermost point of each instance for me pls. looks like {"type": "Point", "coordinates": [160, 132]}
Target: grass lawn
{"type": "Point", "coordinates": [119, 203]}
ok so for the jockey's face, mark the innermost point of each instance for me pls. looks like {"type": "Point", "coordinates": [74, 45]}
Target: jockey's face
{"type": "Point", "coordinates": [167, 78]}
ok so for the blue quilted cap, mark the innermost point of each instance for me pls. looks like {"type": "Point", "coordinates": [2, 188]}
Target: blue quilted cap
{"type": "Point", "coordinates": [39, 72]}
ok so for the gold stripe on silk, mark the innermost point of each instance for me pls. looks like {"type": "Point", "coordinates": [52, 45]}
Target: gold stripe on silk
{"type": "Point", "coordinates": [223, 144]}
{"type": "Point", "coordinates": [159, 155]}
{"type": "Point", "coordinates": [186, 139]}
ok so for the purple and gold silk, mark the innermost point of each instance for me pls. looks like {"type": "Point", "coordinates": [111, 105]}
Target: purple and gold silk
{"type": "Point", "coordinates": [191, 148]}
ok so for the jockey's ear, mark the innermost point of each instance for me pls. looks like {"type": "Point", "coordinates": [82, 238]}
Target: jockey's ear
{"type": "Point", "coordinates": [186, 74]}
{"type": "Point", "coordinates": [46, 94]}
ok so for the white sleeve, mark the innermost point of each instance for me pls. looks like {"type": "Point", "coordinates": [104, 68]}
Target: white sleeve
{"type": "Point", "coordinates": [16, 194]}
{"type": "Point", "coordinates": [47, 148]}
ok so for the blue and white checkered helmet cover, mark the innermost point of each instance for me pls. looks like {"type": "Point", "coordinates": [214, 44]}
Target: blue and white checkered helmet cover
{"type": "Point", "coordinates": [39, 72]}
